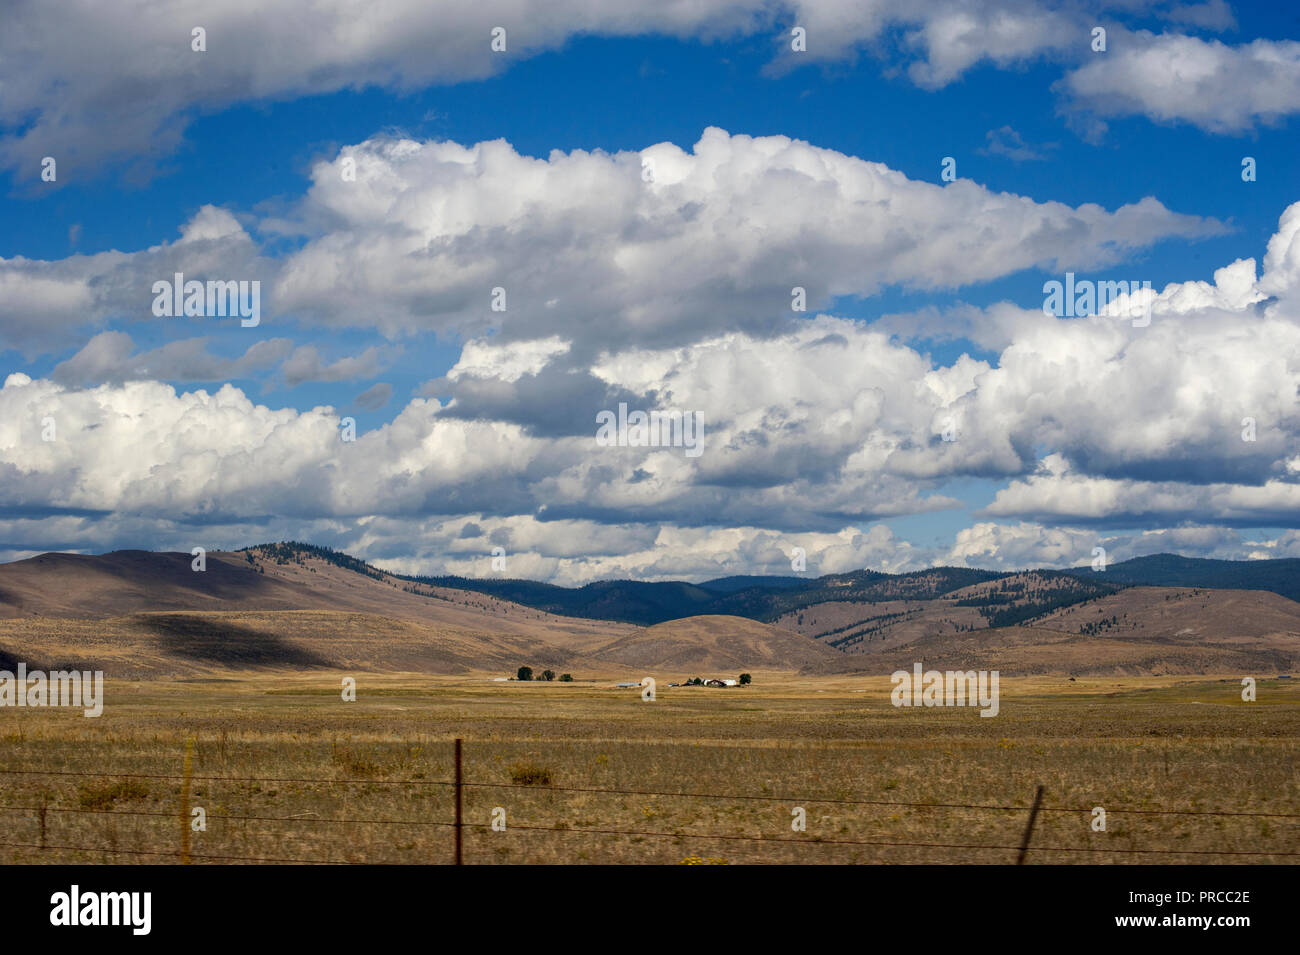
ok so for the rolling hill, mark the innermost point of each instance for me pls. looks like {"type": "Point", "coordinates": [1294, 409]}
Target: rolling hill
{"type": "Point", "coordinates": [140, 615]}
{"type": "Point", "coordinates": [189, 644]}
{"type": "Point", "coordinates": [134, 582]}
{"type": "Point", "coordinates": [858, 627]}
{"type": "Point", "coordinates": [722, 643]}
{"type": "Point", "coordinates": [298, 606]}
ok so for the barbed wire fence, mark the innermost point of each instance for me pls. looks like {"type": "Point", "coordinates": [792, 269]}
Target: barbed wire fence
{"type": "Point", "coordinates": [457, 826]}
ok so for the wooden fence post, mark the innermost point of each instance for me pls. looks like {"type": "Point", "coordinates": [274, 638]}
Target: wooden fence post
{"type": "Point", "coordinates": [459, 857]}
{"type": "Point", "coordinates": [45, 802]}
{"type": "Point", "coordinates": [185, 800]}
{"type": "Point", "coordinates": [1029, 826]}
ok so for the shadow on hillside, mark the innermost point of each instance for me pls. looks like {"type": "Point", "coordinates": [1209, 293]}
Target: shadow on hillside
{"type": "Point", "coordinates": [228, 644]}
{"type": "Point", "coordinates": [9, 662]}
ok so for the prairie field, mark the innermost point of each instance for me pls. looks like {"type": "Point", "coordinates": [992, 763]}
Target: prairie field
{"type": "Point", "coordinates": [287, 771]}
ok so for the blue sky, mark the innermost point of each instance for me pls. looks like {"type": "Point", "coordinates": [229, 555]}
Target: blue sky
{"type": "Point", "coordinates": [1028, 111]}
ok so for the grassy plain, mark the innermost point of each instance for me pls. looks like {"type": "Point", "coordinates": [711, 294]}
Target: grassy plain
{"type": "Point", "coordinates": [286, 770]}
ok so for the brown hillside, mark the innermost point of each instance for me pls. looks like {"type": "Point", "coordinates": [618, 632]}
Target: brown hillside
{"type": "Point", "coordinates": [141, 614]}
{"type": "Point", "coordinates": [1032, 650]}
{"type": "Point", "coordinates": [723, 644]}
{"type": "Point", "coordinates": [187, 643]}
{"type": "Point", "coordinates": [124, 583]}
{"type": "Point", "coordinates": [181, 644]}
{"type": "Point", "coordinates": [1184, 614]}
{"type": "Point", "coordinates": [874, 627]}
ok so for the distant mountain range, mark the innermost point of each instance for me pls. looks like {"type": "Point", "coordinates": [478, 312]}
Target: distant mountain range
{"type": "Point", "coordinates": [1171, 570]}
{"type": "Point", "coordinates": [768, 598]}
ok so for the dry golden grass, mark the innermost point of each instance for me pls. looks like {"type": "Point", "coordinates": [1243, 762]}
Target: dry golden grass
{"type": "Point", "coordinates": [190, 644]}
{"type": "Point", "coordinates": [285, 770]}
